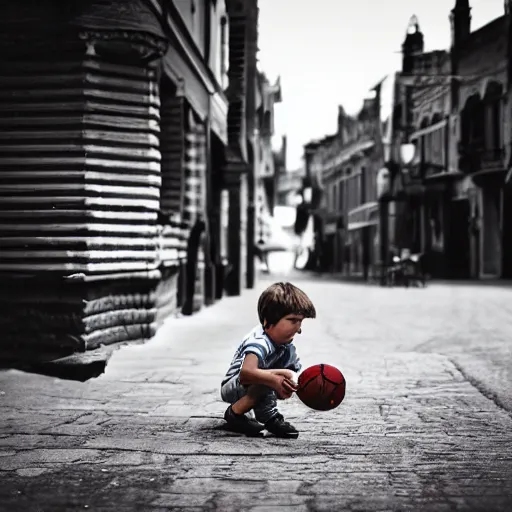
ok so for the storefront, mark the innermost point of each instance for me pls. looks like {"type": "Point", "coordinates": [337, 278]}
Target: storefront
{"type": "Point", "coordinates": [361, 241]}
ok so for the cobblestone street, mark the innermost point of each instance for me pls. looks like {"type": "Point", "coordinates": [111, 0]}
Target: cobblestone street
{"type": "Point", "coordinates": [425, 424]}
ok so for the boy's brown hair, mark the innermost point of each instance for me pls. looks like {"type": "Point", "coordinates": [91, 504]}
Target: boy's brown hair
{"type": "Point", "coordinates": [281, 299]}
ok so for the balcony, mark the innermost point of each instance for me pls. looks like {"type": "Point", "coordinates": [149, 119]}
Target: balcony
{"type": "Point", "coordinates": [476, 158]}
{"type": "Point", "coordinates": [492, 159]}
{"type": "Point", "coordinates": [485, 165]}
{"type": "Point", "coordinates": [470, 157]}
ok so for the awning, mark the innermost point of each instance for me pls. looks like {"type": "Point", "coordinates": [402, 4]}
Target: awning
{"type": "Point", "coordinates": [429, 129]}
{"type": "Point", "coordinates": [333, 164]}
{"type": "Point", "coordinates": [353, 226]}
{"type": "Point", "coordinates": [363, 216]}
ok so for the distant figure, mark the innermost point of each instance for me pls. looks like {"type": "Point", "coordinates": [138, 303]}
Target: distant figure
{"type": "Point", "coordinates": [264, 365]}
{"type": "Point", "coordinates": [262, 255]}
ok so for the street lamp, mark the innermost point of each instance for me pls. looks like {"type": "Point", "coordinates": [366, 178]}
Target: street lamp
{"type": "Point", "coordinates": [384, 196]}
{"type": "Point", "coordinates": [407, 153]}
{"type": "Point", "coordinates": [307, 194]}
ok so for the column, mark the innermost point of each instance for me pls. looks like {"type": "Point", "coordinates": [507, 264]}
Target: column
{"type": "Point", "coordinates": [491, 246]}
{"type": "Point", "coordinates": [383, 238]}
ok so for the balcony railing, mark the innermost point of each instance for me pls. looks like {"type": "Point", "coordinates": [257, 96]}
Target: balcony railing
{"type": "Point", "coordinates": [476, 158]}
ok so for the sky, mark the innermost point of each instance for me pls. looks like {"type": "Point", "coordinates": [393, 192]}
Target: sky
{"type": "Point", "coordinates": [332, 52]}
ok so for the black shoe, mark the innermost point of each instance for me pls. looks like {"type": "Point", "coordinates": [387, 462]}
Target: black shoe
{"type": "Point", "coordinates": [281, 428]}
{"type": "Point", "coordinates": [241, 424]}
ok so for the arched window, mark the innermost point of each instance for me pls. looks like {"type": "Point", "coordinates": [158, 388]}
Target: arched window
{"type": "Point", "coordinates": [474, 121]}
{"type": "Point", "coordinates": [493, 117]}
{"type": "Point", "coordinates": [362, 186]}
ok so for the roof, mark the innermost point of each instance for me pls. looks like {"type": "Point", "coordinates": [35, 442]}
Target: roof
{"type": "Point", "coordinates": [489, 32]}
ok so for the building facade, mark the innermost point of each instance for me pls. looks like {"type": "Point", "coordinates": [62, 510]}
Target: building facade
{"type": "Point", "coordinates": [482, 60]}
{"type": "Point", "coordinates": [268, 96]}
{"type": "Point", "coordinates": [432, 222]}
{"type": "Point", "coordinates": [343, 167]}
{"type": "Point", "coordinates": [127, 135]}
{"type": "Point", "coordinates": [290, 183]}
{"type": "Point", "coordinates": [461, 126]}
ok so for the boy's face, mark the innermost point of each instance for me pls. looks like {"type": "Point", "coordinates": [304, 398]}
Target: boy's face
{"type": "Point", "coordinates": [284, 331]}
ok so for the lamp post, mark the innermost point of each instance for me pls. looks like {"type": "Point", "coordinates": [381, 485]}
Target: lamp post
{"type": "Point", "coordinates": [407, 154]}
{"type": "Point", "coordinates": [384, 196]}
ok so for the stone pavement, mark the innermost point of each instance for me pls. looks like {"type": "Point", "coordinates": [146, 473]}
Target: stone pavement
{"type": "Point", "coordinates": [415, 432]}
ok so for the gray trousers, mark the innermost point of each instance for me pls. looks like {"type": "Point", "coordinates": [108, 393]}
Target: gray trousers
{"type": "Point", "coordinates": [266, 409]}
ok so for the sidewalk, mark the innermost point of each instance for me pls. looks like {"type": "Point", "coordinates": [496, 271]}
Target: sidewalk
{"type": "Point", "coordinates": [412, 433]}
{"type": "Point", "coordinates": [359, 279]}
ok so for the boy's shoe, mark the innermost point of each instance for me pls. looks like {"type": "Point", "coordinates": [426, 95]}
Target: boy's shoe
{"type": "Point", "coordinates": [241, 424]}
{"type": "Point", "coordinates": [281, 428]}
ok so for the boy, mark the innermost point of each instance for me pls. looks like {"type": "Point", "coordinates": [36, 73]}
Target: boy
{"type": "Point", "coordinates": [264, 365]}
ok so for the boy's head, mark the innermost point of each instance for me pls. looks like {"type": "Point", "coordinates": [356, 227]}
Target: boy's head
{"type": "Point", "coordinates": [281, 309]}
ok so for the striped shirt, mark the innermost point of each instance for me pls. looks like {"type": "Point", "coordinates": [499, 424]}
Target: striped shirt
{"type": "Point", "coordinates": [269, 354]}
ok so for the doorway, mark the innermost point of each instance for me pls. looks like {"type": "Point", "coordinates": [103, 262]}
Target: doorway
{"type": "Point", "coordinates": [506, 233]}
{"type": "Point", "coordinates": [458, 247]}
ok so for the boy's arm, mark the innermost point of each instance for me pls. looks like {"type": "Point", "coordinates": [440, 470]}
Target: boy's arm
{"type": "Point", "coordinates": [293, 362]}
{"type": "Point", "coordinates": [251, 374]}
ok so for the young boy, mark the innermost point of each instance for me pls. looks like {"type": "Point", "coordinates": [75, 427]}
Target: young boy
{"type": "Point", "coordinates": [264, 365]}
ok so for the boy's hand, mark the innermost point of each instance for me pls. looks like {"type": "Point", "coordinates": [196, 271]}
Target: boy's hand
{"type": "Point", "coordinates": [289, 374]}
{"type": "Point", "coordinates": [284, 387]}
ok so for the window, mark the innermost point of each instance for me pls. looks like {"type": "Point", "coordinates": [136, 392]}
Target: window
{"type": "Point", "coordinates": [493, 126]}
{"type": "Point", "coordinates": [172, 150]}
{"type": "Point", "coordinates": [428, 148]}
{"type": "Point", "coordinates": [436, 147]}
{"type": "Point", "coordinates": [352, 198]}
{"type": "Point", "coordinates": [223, 51]}
{"type": "Point", "coordinates": [362, 186]}
{"type": "Point", "coordinates": [477, 126]}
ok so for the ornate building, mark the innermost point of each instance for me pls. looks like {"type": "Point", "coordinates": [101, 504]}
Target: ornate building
{"type": "Point", "coordinates": [125, 139]}
{"type": "Point", "coordinates": [344, 167]}
{"type": "Point", "coordinates": [430, 221]}
{"type": "Point", "coordinates": [482, 60]}
{"type": "Point", "coordinates": [462, 131]}
{"type": "Point", "coordinates": [268, 95]}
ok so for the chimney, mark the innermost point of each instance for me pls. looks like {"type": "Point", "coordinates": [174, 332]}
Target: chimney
{"type": "Point", "coordinates": [460, 19]}
{"type": "Point", "coordinates": [342, 116]}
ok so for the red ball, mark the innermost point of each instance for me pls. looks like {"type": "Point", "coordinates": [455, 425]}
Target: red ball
{"type": "Point", "coordinates": [321, 387]}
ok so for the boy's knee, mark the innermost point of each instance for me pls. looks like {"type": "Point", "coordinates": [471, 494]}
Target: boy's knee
{"type": "Point", "coordinates": [258, 391]}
